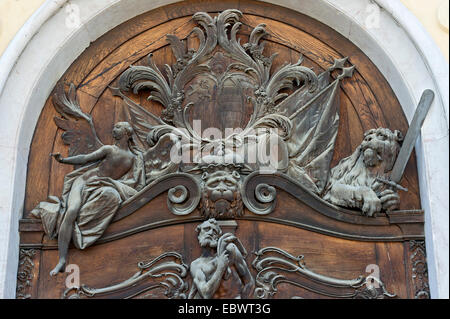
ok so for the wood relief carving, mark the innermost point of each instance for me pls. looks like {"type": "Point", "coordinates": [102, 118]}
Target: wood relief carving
{"type": "Point", "coordinates": [419, 269]}
{"type": "Point", "coordinates": [25, 273]}
{"type": "Point", "coordinates": [355, 181]}
{"type": "Point", "coordinates": [166, 272]}
{"type": "Point", "coordinates": [360, 180]}
{"type": "Point", "coordinates": [276, 266]}
{"type": "Point", "coordinates": [220, 253]}
{"type": "Point", "coordinates": [219, 128]}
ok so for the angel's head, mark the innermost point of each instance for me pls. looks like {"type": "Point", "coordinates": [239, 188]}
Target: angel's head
{"type": "Point", "coordinates": [122, 129]}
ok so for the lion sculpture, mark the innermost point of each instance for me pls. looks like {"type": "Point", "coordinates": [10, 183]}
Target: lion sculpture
{"type": "Point", "coordinates": [355, 183]}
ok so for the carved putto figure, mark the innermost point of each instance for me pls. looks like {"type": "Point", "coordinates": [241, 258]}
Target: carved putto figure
{"type": "Point", "coordinates": [357, 180]}
{"type": "Point", "coordinates": [220, 253]}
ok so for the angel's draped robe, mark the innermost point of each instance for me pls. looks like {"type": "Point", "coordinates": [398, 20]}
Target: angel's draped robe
{"type": "Point", "coordinates": [101, 197]}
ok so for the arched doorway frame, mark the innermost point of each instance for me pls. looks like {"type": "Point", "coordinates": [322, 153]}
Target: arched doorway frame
{"type": "Point", "coordinates": [383, 29]}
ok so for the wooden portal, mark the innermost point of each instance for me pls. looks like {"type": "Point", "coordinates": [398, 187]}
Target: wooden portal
{"type": "Point", "coordinates": [341, 245]}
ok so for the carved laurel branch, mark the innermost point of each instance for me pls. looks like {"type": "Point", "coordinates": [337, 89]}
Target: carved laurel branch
{"type": "Point", "coordinates": [184, 195]}
{"type": "Point", "coordinates": [276, 266]}
{"type": "Point", "coordinates": [166, 271]}
{"type": "Point", "coordinates": [25, 273]}
{"type": "Point", "coordinates": [419, 269]}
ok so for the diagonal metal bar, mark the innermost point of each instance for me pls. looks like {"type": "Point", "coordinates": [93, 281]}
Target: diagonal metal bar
{"type": "Point", "coordinates": [411, 135]}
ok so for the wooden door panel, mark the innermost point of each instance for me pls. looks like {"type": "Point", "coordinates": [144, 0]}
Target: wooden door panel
{"type": "Point", "coordinates": [323, 254]}
{"type": "Point", "coordinates": [339, 243]}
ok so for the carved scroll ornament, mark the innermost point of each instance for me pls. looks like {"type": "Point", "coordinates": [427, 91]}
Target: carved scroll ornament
{"type": "Point", "coordinates": [166, 272]}
{"type": "Point", "coordinates": [276, 266]}
{"type": "Point", "coordinates": [221, 255]}
{"type": "Point", "coordinates": [303, 124]}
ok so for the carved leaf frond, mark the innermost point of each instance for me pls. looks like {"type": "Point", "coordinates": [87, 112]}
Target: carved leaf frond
{"type": "Point", "coordinates": [202, 41]}
{"type": "Point", "coordinates": [169, 73]}
{"type": "Point", "coordinates": [133, 77]}
{"type": "Point", "coordinates": [137, 78]}
{"type": "Point", "coordinates": [208, 41]}
{"type": "Point", "coordinates": [276, 121]}
{"type": "Point", "coordinates": [178, 48]}
{"type": "Point", "coordinates": [257, 34]}
{"type": "Point", "coordinates": [231, 44]}
{"type": "Point", "coordinates": [256, 50]}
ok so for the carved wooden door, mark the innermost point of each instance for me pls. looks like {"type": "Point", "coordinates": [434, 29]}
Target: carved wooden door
{"type": "Point", "coordinates": [216, 150]}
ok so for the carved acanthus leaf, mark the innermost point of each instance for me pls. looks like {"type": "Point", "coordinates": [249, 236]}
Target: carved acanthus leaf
{"type": "Point", "coordinates": [166, 271]}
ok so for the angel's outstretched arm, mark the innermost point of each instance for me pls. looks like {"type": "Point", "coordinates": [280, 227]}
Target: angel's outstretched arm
{"type": "Point", "coordinates": [84, 158]}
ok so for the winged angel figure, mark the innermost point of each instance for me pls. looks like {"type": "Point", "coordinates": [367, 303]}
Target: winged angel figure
{"type": "Point", "coordinates": [92, 194]}
{"type": "Point", "coordinates": [303, 124]}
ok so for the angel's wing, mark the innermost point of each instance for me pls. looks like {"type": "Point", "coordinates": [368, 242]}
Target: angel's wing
{"type": "Point", "coordinates": [79, 131]}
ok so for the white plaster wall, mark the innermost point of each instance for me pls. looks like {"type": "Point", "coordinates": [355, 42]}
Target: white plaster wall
{"type": "Point", "coordinates": [13, 14]}
{"type": "Point", "coordinates": [433, 14]}
{"type": "Point", "coordinates": [399, 46]}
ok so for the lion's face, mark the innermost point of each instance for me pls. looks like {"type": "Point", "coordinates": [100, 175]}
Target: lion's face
{"type": "Point", "coordinates": [221, 194]}
{"type": "Point", "coordinates": [380, 147]}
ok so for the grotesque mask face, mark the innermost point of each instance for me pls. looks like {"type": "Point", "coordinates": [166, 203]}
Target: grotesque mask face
{"type": "Point", "coordinates": [380, 146]}
{"type": "Point", "coordinates": [208, 233]}
{"type": "Point", "coordinates": [221, 195]}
